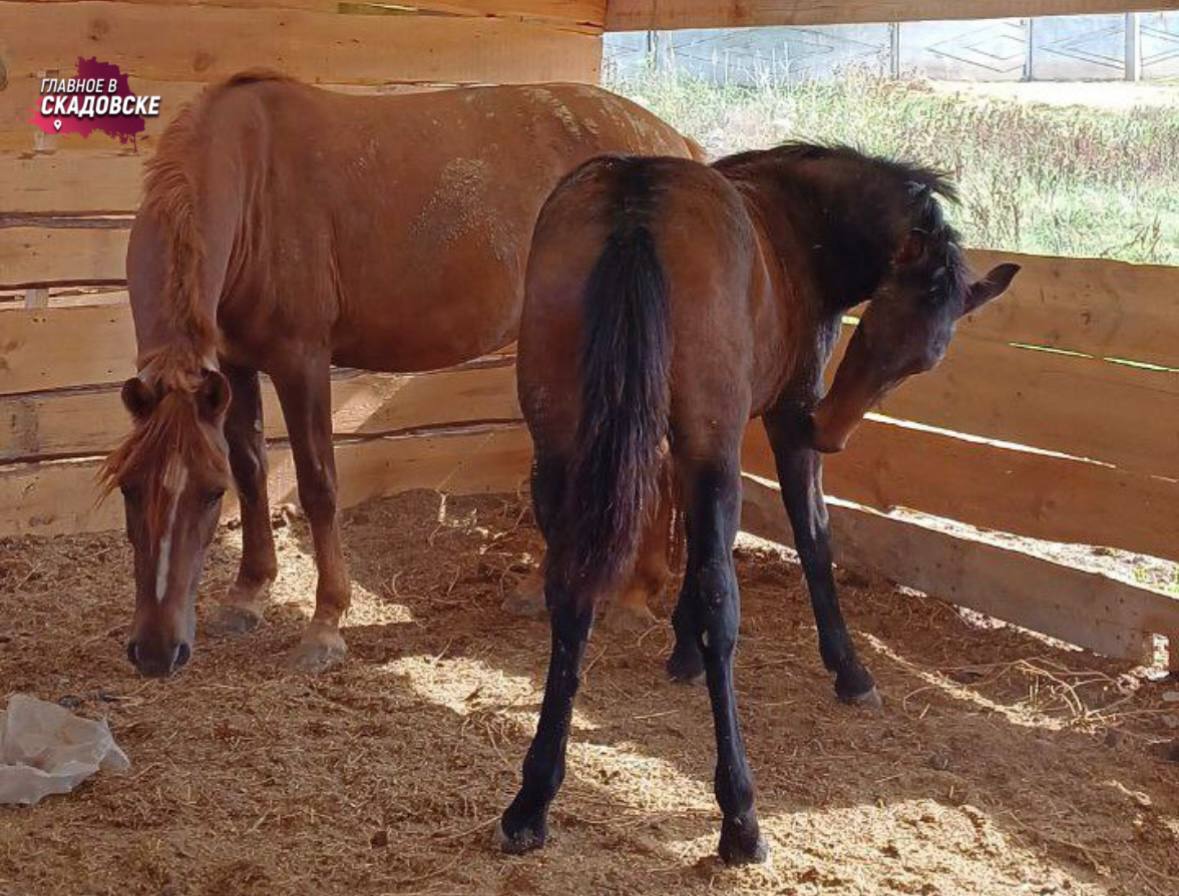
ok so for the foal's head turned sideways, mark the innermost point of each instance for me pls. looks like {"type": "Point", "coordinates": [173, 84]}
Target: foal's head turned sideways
{"type": "Point", "coordinates": [924, 288]}
{"type": "Point", "coordinates": [172, 470]}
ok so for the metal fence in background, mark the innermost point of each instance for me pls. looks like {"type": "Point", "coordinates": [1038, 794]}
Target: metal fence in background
{"type": "Point", "coordinates": [1131, 46]}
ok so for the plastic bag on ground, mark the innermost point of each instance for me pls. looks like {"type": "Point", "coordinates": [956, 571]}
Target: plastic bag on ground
{"type": "Point", "coordinates": [45, 748]}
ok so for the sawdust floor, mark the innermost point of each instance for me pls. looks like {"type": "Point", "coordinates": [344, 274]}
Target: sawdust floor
{"type": "Point", "coordinates": [1001, 764]}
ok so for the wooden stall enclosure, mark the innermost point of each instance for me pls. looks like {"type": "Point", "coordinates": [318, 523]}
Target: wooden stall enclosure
{"type": "Point", "coordinates": [66, 205]}
{"type": "Point", "coordinates": [1055, 415]}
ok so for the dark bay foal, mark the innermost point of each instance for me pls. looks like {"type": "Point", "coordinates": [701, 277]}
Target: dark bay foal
{"type": "Point", "coordinates": [667, 303]}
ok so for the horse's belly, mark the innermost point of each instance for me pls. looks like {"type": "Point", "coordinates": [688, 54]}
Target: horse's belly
{"type": "Point", "coordinates": [409, 331]}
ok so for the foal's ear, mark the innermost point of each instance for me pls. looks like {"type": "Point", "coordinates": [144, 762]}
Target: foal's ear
{"type": "Point", "coordinates": [213, 395]}
{"type": "Point", "coordinates": [138, 398]}
{"type": "Point", "coordinates": [911, 249]}
{"type": "Point", "coordinates": [993, 285]}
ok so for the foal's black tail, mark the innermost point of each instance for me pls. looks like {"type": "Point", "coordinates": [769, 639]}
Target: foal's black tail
{"type": "Point", "coordinates": [613, 481]}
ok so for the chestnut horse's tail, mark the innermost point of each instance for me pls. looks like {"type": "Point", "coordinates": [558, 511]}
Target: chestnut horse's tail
{"type": "Point", "coordinates": [613, 482]}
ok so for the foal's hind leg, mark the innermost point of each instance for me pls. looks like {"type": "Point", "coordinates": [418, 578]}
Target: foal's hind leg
{"type": "Point", "coordinates": [305, 393]}
{"type": "Point", "coordinates": [800, 478]}
{"type": "Point", "coordinates": [712, 612]}
{"type": "Point", "coordinates": [524, 824]}
{"type": "Point", "coordinates": [242, 608]}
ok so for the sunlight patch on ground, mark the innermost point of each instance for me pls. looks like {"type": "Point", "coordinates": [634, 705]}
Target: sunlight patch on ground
{"type": "Point", "coordinates": [372, 609]}
{"type": "Point", "coordinates": [1019, 714]}
{"type": "Point", "coordinates": [466, 685]}
{"type": "Point", "coordinates": [639, 782]}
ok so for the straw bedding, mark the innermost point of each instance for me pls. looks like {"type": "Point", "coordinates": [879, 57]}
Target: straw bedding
{"type": "Point", "coordinates": [1001, 763]}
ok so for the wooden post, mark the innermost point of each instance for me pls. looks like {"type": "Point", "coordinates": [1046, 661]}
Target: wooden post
{"type": "Point", "coordinates": [894, 49]}
{"type": "Point", "coordinates": [1029, 52]}
{"type": "Point", "coordinates": [1133, 30]}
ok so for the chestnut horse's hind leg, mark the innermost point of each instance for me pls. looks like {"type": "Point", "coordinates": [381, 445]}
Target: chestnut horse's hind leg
{"type": "Point", "coordinates": [631, 606]}
{"type": "Point", "coordinates": [242, 608]}
{"type": "Point", "coordinates": [800, 478]}
{"type": "Point", "coordinates": [711, 610]}
{"type": "Point", "coordinates": [632, 609]}
{"type": "Point", "coordinates": [305, 394]}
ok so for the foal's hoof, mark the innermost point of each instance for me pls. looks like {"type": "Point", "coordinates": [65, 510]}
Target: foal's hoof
{"type": "Point", "coordinates": [235, 619]}
{"type": "Point", "coordinates": [321, 648]}
{"type": "Point", "coordinates": [742, 844]}
{"type": "Point", "coordinates": [685, 666]}
{"type": "Point", "coordinates": [524, 840]}
{"type": "Point", "coordinates": [857, 688]}
{"type": "Point", "coordinates": [869, 700]}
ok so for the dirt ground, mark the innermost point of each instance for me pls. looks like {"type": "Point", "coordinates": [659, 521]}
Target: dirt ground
{"type": "Point", "coordinates": [1000, 764]}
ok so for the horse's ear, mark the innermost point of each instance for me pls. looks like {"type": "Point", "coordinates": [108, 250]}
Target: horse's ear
{"type": "Point", "coordinates": [213, 395]}
{"type": "Point", "coordinates": [138, 398]}
{"type": "Point", "coordinates": [993, 285]}
{"type": "Point", "coordinates": [911, 249]}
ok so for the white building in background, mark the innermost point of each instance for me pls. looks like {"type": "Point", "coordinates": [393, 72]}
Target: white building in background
{"type": "Point", "coordinates": [1072, 48]}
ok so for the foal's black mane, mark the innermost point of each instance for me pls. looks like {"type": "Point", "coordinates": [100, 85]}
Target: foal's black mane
{"type": "Point", "coordinates": [932, 180]}
{"type": "Point", "coordinates": [865, 188]}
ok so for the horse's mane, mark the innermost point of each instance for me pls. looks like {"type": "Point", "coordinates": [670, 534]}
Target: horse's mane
{"type": "Point", "coordinates": [932, 179]}
{"type": "Point", "coordinates": [171, 191]}
{"type": "Point", "coordinates": [171, 188]}
{"type": "Point", "coordinates": [920, 185]}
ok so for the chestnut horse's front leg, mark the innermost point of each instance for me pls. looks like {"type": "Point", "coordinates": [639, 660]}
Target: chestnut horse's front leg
{"type": "Point", "coordinates": [800, 475]}
{"type": "Point", "coordinates": [305, 394]}
{"type": "Point", "coordinates": [242, 608]}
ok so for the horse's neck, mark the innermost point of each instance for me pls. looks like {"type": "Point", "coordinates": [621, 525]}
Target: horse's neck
{"type": "Point", "coordinates": [160, 327]}
{"type": "Point", "coordinates": [810, 257]}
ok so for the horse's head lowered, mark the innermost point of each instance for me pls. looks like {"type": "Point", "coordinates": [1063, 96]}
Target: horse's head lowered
{"type": "Point", "coordinates": [172, 471]}
{"type": "Point", "coordinates": [911, 314]}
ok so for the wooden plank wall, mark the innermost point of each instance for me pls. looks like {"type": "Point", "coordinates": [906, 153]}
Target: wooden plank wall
{"type": "Point", "coordinates": [1055, 415]}
{"type": "Point", "coordinates": [66, 200]}
{"type": "Point", "coordinates": [66, 204]}
{"type": "Point", "coordinates": [638, 15]}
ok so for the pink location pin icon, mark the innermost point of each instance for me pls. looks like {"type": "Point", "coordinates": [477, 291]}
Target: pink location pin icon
{"type": "Point", "coordinates": [57, 124]}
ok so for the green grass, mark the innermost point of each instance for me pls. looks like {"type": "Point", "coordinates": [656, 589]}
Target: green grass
{"type": "Point", "coordinates": [1056, 180]}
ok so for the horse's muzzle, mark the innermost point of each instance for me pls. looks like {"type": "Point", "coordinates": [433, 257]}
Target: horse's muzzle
{"type": "Point", "coordinates": [158, 659]}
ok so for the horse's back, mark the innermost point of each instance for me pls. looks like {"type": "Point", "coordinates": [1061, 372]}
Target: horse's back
{"type": "Point", "coordinates": [409, 216]}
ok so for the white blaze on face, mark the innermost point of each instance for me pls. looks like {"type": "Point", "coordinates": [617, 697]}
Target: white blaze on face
{"type": "Point", "coordinates": [175, 477]}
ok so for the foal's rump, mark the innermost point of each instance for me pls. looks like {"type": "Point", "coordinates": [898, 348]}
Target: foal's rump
{"type": "Point", "coordinates": [634, 337]}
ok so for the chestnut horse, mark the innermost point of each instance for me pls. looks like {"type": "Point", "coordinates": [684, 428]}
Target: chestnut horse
{"type": "Point", "coordinates": [668, 302]}
{"type": "Point", "coordinates": [285, 229]}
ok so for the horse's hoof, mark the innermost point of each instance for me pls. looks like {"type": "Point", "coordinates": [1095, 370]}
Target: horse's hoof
{"type": "Point", "coordinates": [630, 618]}
{"type": "Point", "coordinates": [856, 687]}
{"type": "Point", "coordinates": [869, 700]}
{"type": "Point", "coordinates": [522, 841]}
{"type": "Point", "coordinates": [321, 649]}
{"type": "Point", "coordinates": [742, 845]}
{"type": "Point", "coordinates": [235, 619]}
{"type": "Point", "coordinates": [685, 667]}
{"type": "Point", "coordinates": [524, 603]}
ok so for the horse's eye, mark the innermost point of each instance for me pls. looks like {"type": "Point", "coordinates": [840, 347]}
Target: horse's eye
{"type": "Point", "coordinates": [214, 496]}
